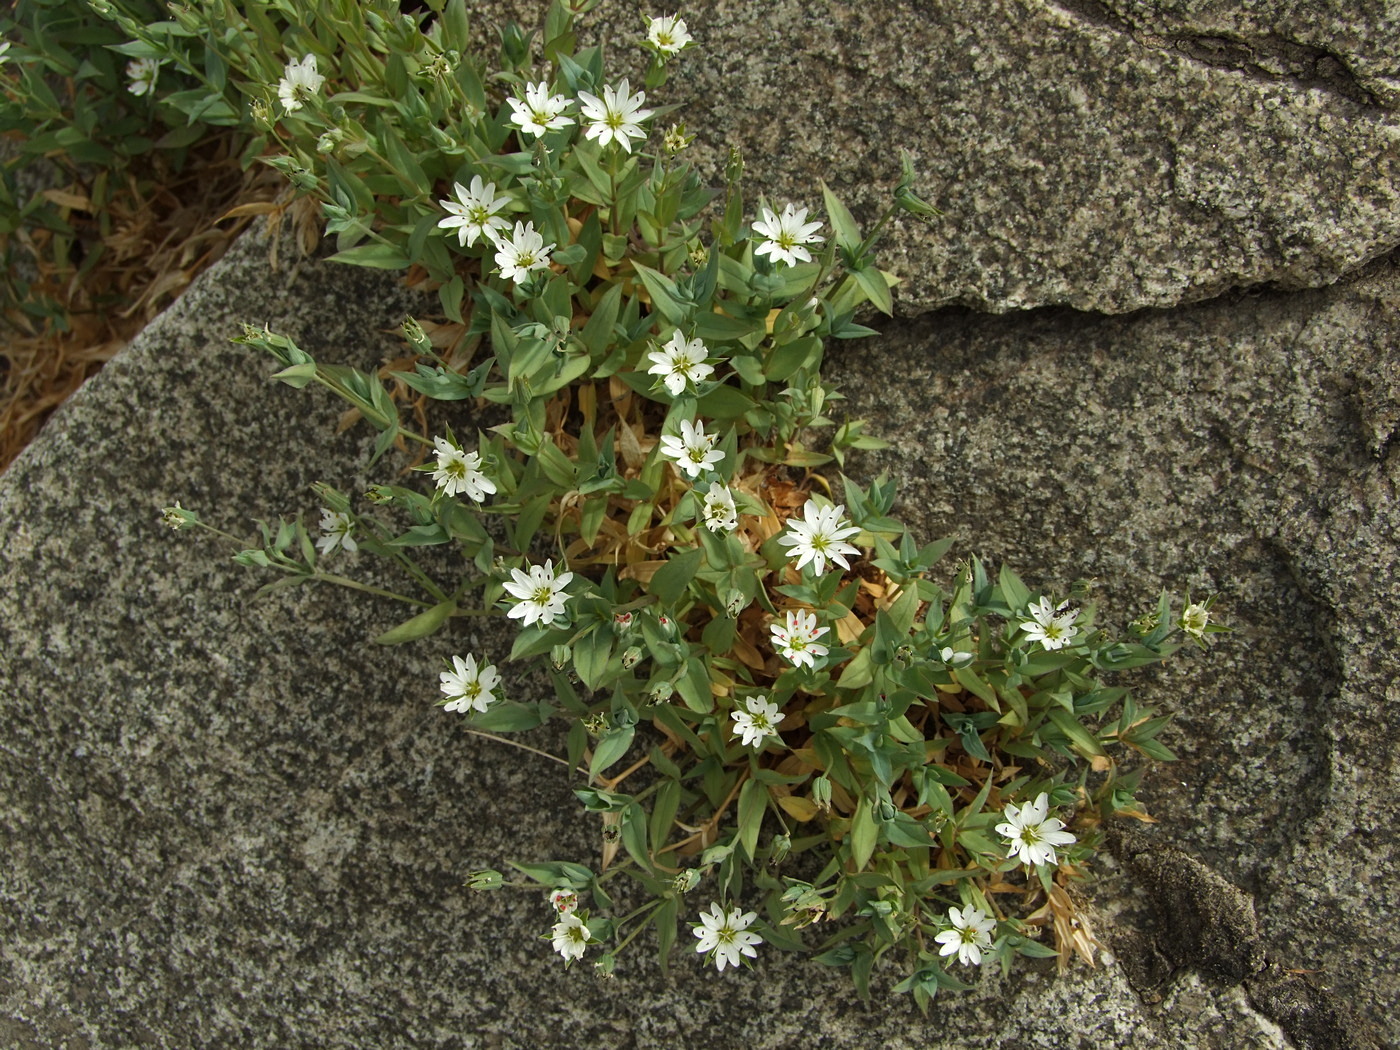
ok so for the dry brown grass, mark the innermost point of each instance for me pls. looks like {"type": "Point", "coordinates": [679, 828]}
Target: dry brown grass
{"type": "Point", "coordinates": [157, 231]}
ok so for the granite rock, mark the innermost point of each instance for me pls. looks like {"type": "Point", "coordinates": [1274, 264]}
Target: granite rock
{"type": "Point", "coordinates": [233, 821]}
{"type": "Point", "coordinates": [1102, 156]}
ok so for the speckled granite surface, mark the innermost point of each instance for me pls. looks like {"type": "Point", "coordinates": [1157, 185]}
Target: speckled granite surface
{"type": "Point", "coordinates": [231, 822]}
{"type": "Point", "coordinates": [1101, 156]}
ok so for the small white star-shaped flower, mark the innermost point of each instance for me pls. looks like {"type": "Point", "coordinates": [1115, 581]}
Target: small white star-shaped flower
{"type": "Point", "coordinates": [141, 75]}
{"type": "Point", "coordinates": [524, 253]}
{"type": "Point", "coordinates": [337, 527]}
{"type": "Point", "coordinates": [460, 471]}
{"type": "Point", "coordinates": [539, 111]}
{"type": "Point", "coordinates": [819, 536]}
{"type": "Point", "coordinates": [797, 638]}
{"type": "Point", "coordinates": [571, 937]}
{"type": "Point", "coordinates": [616, 117]}
{"type": "Point", "coordinates": [1051, 627]}
{"type": "Point", "coordinates": [299, 83]}
{"type": "Point", "coordinates": [473, 213]}
{"type": "Point", "coordinates": [1032, 833]}
{"type": "Point", "coordinates": [970, 936]}
{"type": "Point", "coordinates": [680, 361]}
{"type": "Point", "coordinates": [668, 34]}
{"type": "Point", "coordinates": [759, 721]}
{"type": "Point", "coordinates": [786, 234]}
{"type": "Point", "coordinates": [694, 450]}
{"type": "Point", "coordinates": [726, 936]}
{"type": "Point", "coordinates": [720, 513]}
{"type": "Point", "coordinates": [540, 593]}
{"type": "Point", "coordinates": [469, 687]}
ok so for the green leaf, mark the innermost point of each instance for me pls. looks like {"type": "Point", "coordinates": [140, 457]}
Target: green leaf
{"type": "Point", "coordinates": [591, 654]}
{"type": "Point", "coordinates": [375, 256]}
{"type": "Point", "coordinates": [671, 579]}
{"type": "Point", "coordinates": [664, 296]}
{"type": "Point", "coordinates": [298, 375]}
{"type": "Point", "coordinates": [872, 283]}
{"type": "Point", "coordinates": [753, 803]}
{"type": "Point", "coordinates": [420, 626]}
{"type": "Point", "coordinates": [842, 224]}
{"type": "Point", "coordinates": [508, 716]}
{"type": "Point", "coordinates": [858, 673]}
{"type": "Point", "coordinates": [863, 834]}
{"type": "Point", "coordinates": [611, 747]}
{"type": "Point", "coordinates": [1083, 741]}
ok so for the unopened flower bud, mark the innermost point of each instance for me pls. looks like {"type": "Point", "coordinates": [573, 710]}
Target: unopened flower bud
{"type": "Point", "coordinates": [667, 625]}
{"type": "Point", "coordinates": [631, 657]}
{"type": "Point", "coordinates": [261, 113]}
{"type": "Point", "coordinates": [686, 880]}
{"type": "Point", "coordinates": [661, 692]}
{"type": "Point", "coordinates": [596, 725]}
{"type": "Point", "coordinates": [605, 966]}
{"type": "Point", "coordinates": [622, 622]}
{"type": "Point", "coordinates": [699, 256]}
{"type": "Point", "coordinates": [887, 810]}
{"type": "Point", "coordinates": [782, 846]}
{"type": "Point", "coordinates": [821, 793]}
{"type": "Point", "coordinates": [904, 655]}
{"type": "Point", "coordinates": [735, 602]}
{"type": "Point", "coordinates": [329, 140]}
{"type": "Point", "coordinates": [560, 656]}
{"type": "Point", "coordinates": [486, 879]}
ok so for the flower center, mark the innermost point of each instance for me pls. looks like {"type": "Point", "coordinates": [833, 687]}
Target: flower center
{"type": "Point", "coordinates": [542, 595]}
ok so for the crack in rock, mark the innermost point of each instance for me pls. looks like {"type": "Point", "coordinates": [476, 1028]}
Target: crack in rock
{"type": "Point", "coordinates": [1207, 924]}
{"type": "Point", "coordinates": [1271, 57]}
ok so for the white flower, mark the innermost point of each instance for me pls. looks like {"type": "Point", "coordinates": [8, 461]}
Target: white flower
{"type": "Point", "coordinates": [1052, 628]}
{"type": "Point", "coordinates": [1031, 834]}
{"type": "Point", "coordinates": [523, 253]}
{"type": "Point", "coordinates": [571, 937]}
{"type": "Point", "coordinates": [541, 594]}
{"type": "Point", "coordinates": [299, 83]}
{"type": "Point", "coordinates": [797, 638]}
{"type": "Point", "coordinates": [460, 471]}
{"type": "Point", "coordinates": [1194, 619]}
{"type": "Point", "coordinates": [680, 361]}
{"type": "Point", "coordinates": [760, 720]}
{"type": "Point", "coordinates": [563, 901]}
{"type": "Point", "coordinates": [954, 657]}
{"type": "Point", "coordinates": [469, 688]}
{"type": "Point", "coordinates": [667, 34]}
{"type": "Point", "coordinates": [970, 936]}
{"type": "Point", "coordinates": [786, 235]}
{"type": "Point", "coordinates": [142, 74]}
{"type": "Point", "coordinates": [337, 527]}
{"type": "Point", "coordinates": [720, 513]}
{"type": "Point", "coordinates": [819, 537]}
{"type": "Point", "coordinates": [617, 116]}
{"type": "Point", "coordinates": [473, 213]}
{"type": "Point", "coordinates": [694, 450]}
{"type": "Point", "coordinates": [725, 935]}
{"type": "Point", "coordinates": [539, 111]}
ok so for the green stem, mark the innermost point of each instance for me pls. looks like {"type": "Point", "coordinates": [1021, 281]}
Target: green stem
{"type": "Point", "coordinates": [345, 581]}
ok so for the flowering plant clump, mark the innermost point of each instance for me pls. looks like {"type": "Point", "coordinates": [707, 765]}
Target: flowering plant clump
{"type": "Point", "coordinates": [765, 686]}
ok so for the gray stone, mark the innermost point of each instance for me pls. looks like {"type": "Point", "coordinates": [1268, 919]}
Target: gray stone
{"type": "Point", "coordinates": [1104, 157]}
{"type": "Point", "coordinates": [230, 820]}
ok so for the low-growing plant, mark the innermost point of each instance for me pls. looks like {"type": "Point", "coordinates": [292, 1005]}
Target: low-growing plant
{"type": "Point", "coordinates": [767, 689]}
